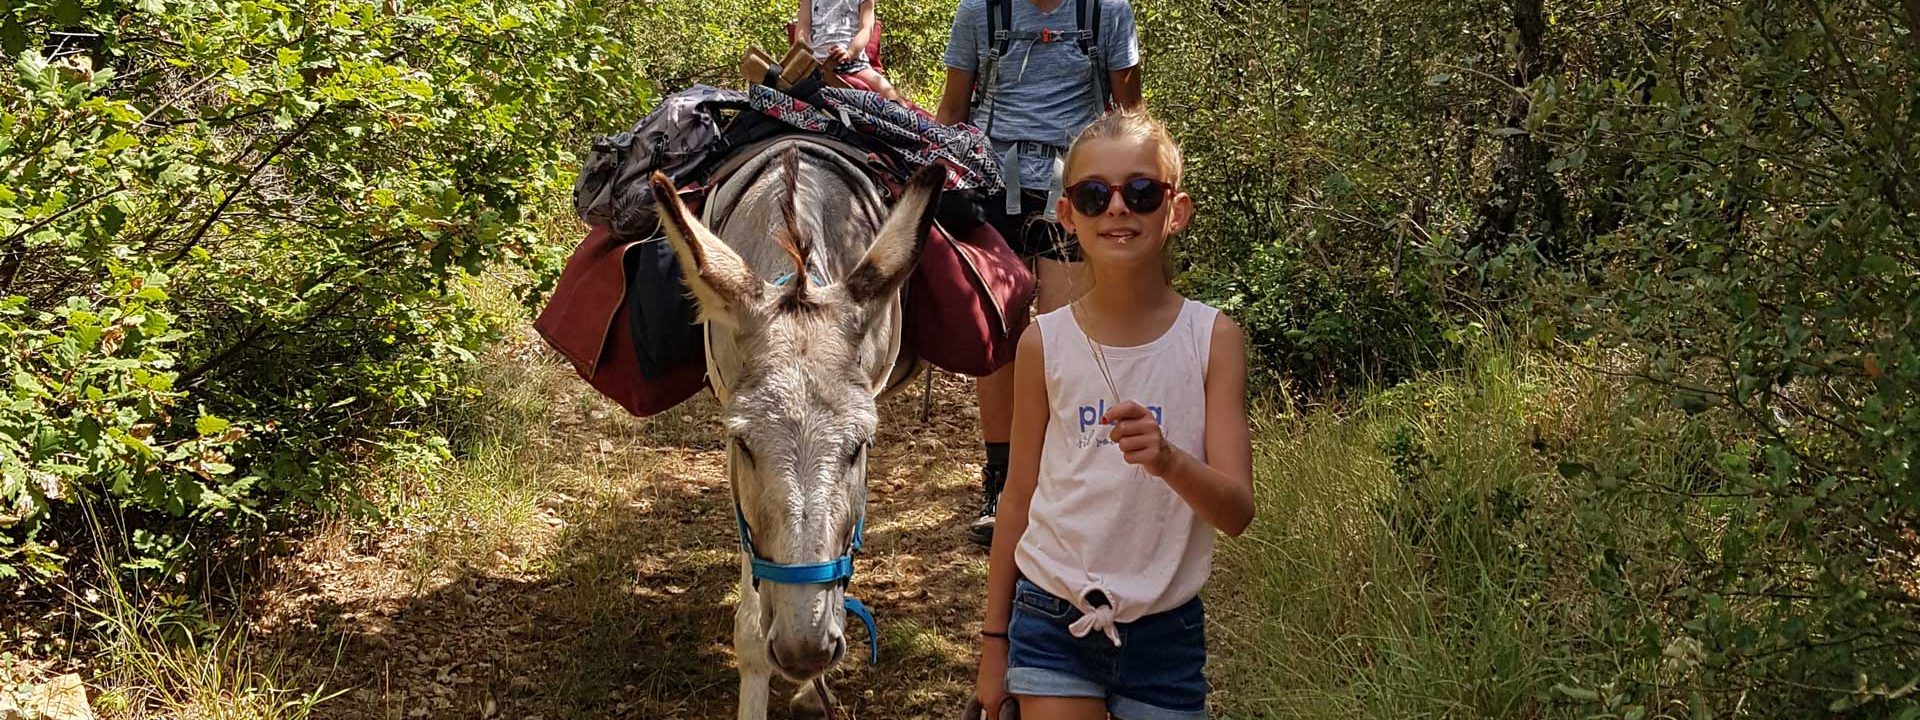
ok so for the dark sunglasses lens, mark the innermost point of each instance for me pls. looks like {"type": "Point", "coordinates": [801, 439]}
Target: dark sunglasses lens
{"type": "Point", "coordinates": [1091, 197]}
{"type": "Point", "coordinates": [1143, 195]}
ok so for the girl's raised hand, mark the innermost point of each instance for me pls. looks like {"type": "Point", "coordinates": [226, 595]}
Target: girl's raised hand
{"type": "Point", "coordinates": [1137, 434]}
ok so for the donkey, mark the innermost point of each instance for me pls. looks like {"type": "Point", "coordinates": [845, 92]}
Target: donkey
{"type": "Point", "coordinates": [797, 274]}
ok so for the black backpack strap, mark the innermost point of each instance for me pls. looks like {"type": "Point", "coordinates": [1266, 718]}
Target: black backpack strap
{"type": "Point", "coordinates": [984, 72]}
{"type": "Point", "coordinates": [999, 27]}
{"type": "Point", "coordinates": [1002, 11]}
{"type": "Point", "coordinates": [1088, 15]}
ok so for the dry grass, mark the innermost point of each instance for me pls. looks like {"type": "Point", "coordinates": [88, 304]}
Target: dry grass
{"type": "Point", "coordinates": [158, 658]}
{"type": "Point", "coordinates": [572, 561]}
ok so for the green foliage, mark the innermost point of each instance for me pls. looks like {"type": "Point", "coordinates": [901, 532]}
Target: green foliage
{"type": "Point", "coordinates": [235, 235]}
{"type": "Point", "coordinates": [1716, 201]}
{"type": "Point", "coordinates": [682, 42]}
{"type": "Point", "coordinates": [1334, 182]}
{"type": "Point", "coordinates": [678, 43]}
{"type": "Point", "coordinates": [1753, 252]}
{"type": "Point", "coordinates": [1322, 319]}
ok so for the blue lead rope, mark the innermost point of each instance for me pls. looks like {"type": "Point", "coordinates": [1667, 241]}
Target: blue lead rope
{"type": "Point", "coordinates": [859, 610]}
{"type": "Point", "coordinates": [838, 570]}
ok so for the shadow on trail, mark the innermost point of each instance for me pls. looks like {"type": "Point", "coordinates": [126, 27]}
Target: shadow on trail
{"type": "Point", "coordinates": [633, 620]}
{"type": "Point", "coordinates": [627, 609]}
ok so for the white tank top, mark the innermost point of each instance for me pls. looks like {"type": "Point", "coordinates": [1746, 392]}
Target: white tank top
{"type": "Point", "coordinates": [1097, 522]}
{"type": "Point", "coordinates": [835, 22]}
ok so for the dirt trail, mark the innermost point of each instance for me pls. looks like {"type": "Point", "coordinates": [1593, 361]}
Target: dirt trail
{"type": "Point", "coordinates": [603, 585]}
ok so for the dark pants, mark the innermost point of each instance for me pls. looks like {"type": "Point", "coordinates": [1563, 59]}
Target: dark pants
{"type": "Point", "coordinates": [1028, 233]}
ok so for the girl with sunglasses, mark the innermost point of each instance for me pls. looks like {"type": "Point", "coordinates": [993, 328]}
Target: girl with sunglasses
{"type": "Point", "coordinates": [1130, 448]}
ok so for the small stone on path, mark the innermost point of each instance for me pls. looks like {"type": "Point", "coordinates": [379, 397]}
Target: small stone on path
{"type": "Point", "coordinates": [62, 698]}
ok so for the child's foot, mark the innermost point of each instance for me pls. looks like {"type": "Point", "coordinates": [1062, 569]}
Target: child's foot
{"type": "Point", "coordinates": [993, 480]}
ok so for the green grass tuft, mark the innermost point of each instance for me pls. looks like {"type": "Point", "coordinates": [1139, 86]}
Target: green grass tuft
{"type": "Point", "coordinates": [1397, 568]}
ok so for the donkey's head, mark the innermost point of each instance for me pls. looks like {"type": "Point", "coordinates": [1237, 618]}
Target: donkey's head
{"type": "Point", "coordinates": [801, 412]}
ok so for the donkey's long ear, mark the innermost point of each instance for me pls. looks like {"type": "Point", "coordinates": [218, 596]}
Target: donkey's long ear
{"type": "Point", "coordinates": [718, 277]}
{"type": "Point", "coordinates": [897, 249]}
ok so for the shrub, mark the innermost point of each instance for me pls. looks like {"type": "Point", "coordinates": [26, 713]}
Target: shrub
{"type": "Point", "coordinates": [236, 234]}
{"type": "Point", "coordinates": [1754, 257]}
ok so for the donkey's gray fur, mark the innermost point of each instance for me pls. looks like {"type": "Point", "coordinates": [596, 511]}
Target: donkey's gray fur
{"type": "Point", "coordinates": [798, 367]}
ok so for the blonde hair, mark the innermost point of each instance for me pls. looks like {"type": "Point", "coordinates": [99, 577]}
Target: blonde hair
{"type": "Point", "coordinates": [1134, 124]}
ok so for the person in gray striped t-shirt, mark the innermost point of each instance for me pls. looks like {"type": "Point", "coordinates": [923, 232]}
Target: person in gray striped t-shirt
{"type": "Point", "coordinates": [1047, 75]}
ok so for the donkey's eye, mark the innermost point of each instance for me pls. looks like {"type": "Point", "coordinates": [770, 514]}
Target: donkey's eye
{"type": "Point", "coordinates": [741, 445]}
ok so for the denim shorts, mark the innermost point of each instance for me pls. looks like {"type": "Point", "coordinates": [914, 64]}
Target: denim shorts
{"type": "Point", "coordinates": [1157, 672]}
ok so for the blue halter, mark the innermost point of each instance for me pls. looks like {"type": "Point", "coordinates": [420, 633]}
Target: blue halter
{"type": "Point", "coordinates": [837, 570]}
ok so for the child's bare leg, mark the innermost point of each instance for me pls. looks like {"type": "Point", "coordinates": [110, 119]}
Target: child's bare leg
{"type": "Point", "coordinates": [1062, 708]}
{"type": "Point", "coordinates": [879, 84]}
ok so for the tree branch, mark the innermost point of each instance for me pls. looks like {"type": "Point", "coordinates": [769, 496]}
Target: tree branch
{"type": "Point", "coordinates": [241, 187]}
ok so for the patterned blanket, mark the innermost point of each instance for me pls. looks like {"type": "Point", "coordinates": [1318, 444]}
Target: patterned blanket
{"type": "Point", "coordinates": [914, 137]}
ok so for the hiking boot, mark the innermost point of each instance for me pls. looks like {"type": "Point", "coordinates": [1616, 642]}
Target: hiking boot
{"type": "Point", "coordinates": [992, 481]}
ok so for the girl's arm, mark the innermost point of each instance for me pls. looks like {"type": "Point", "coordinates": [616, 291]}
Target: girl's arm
{"type": "Point", "coordinates": [1023, 475]}
{"type": "Point", "coordinates": [803, 28]}
{"type": "Point", "coordinates": [860, 38]}
{"type": "Point", "coordinates": [1220, 490]}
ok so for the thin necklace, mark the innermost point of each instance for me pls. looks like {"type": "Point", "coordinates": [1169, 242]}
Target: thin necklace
{"type": "Point", "coordinates": [1099, 358]}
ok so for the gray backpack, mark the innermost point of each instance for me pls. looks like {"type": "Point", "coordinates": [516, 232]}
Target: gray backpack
{"type": "Point", "coordinates": [676, 138]}
{"type": "Point", "coordinates": [999, 30]}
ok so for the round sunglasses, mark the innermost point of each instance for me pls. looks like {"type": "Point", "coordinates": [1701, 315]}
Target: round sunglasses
{"type": "Point", "coordinates": [1141, 195]}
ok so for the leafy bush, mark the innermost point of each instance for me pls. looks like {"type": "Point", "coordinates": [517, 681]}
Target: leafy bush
{"type": "Point", "coordinates": [682, 42]}
{"type": "Point", "coordinates": [1753, 255]}
{"type": "Point", "coordinates": [235, 235]}
{"type": "Point", "coordinates": [1713, 201]}
{"type": "Point", "coordinates": [1336, 186]}
{"type": "Point", "coordinates": [1327, 323]}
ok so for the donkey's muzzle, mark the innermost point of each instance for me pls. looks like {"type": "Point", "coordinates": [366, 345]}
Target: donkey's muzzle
{"type": "Point", "coordinates": [805, 658]}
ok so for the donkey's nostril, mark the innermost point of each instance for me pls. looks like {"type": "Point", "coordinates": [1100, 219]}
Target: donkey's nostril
{"type": "Point", "coordinates": [804, 659]}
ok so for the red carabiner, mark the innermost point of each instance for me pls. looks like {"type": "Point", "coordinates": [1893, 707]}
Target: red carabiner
{"type": "Point", "coordinates": [1046, 35]}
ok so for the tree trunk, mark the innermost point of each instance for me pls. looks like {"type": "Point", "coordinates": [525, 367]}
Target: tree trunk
{"type": "Point", "coordinates": [1521, 170]}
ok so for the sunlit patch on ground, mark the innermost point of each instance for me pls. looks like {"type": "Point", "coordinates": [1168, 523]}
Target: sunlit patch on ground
{"type": "Point", "coordinates": [582, 563]}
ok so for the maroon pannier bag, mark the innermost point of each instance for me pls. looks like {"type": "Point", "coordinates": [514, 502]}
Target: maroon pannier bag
{"type": "Point", "coordinates": [589, 321]}
{"type": "Point", "coordinates": [966, 304]}
{"type": "Point", "coordinates": [968, 301]}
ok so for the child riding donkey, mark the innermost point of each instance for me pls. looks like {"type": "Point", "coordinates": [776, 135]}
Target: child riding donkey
{"type": "Point", "coordinates": [840, 33]}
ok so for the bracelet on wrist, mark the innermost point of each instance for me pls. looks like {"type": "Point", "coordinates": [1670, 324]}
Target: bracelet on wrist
{"type": "Point", "coordinates": [991, 634]}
